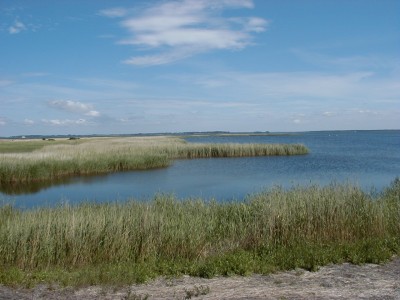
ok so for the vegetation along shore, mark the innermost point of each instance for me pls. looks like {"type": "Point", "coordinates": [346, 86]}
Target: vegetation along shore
{"type": "Point", "coordinates": [121, 243]}
{"type": "Point", "coordinates": [39, 160]}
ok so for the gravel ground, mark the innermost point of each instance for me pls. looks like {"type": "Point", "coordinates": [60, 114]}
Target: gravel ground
{"type": "Point", "coordinates": [343, 281]}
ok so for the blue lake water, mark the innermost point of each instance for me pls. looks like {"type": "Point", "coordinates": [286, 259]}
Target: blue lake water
{"type": "Point", "coordinates": [370, 159]}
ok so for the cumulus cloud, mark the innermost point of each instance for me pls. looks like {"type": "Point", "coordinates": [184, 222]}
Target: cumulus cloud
{"type": "Point", "coordinates": [183, 28]}
{"type": "Point", "coordinates": [75, 107]}
{"type": "Point", "coordinates": [17, 27]}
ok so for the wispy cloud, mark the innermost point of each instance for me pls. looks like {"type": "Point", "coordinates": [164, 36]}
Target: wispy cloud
{"type": "Point", "coordinates": [114, 12]}
{"type": "Point", "coordinates": [75, 107]}
{"type": "Point", "coordinates": [93, 113]}
{"type": "Point", "coordinates": [66, 122]}
{"type": "Point", "coordinates": [367, 112]}
{"type": "Point", "coordinates": [343, 86]}
{"type": "Point", "coordinates": [352, 62]}
{"type": "Point", "coordinates": [35, 74]}
{"type": "Point", "coordinates": [328, 113]}
{"type": "Point", "coordinates": [29, 122]}
{"type": "Point", "coordinates": [179, 29]}
{"type": "Point", "coordinates": [17, 27]}
{"type": "Point", "coordinates": [161, 59]}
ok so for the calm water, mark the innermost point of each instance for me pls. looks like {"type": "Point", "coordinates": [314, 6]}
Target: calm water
{"type": "Point", "coordinates": [366, 158]}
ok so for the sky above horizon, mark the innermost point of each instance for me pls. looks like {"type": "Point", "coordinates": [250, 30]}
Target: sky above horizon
{"type": "Point", "coordinates": [120, 67]}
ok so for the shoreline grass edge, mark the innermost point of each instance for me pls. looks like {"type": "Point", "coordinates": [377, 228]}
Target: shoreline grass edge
{"type": "Point", "coordinates": [99, 156]}
{"type": "Point", "coordinates": [121, 243]}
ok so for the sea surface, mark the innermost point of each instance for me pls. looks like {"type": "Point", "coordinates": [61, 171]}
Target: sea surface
{"type": "Point", "coordinates": [369, 159]}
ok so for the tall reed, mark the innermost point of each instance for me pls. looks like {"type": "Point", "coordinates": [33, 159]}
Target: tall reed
{"type": "Point", "coordinates": [285, 229]}
{"type": "Point", "coordinates": [104, 155]}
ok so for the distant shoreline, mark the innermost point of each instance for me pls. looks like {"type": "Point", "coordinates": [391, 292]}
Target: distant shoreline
{"type": "Point", "coordinates": [187, 134]}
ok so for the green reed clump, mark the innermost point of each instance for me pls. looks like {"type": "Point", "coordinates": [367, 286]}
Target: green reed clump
{"type": "Point", "coordinates": [236, 150]}
{"type": "Point", "coordinates": [117, 154]}
{"type": "Point", "coordinates": [274, 230]}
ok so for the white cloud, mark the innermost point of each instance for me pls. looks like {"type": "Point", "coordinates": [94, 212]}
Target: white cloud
{"type": "Point", "coordinates": [256, 24]}
{"type": "Point", "coordinates": [187, 27]}
{"type": "Point", "coordinates": [2, 122]}
{"type": "Point", "coordinates": [114, 12]}
{"type": "Point", "coordinates": [74, 106]}
{"type": "Point", "coordinates": [159, 59]}
{"type": "Point", "coordinates": [29, 122]}
{"type": "Point", "coordinates": [35, 74]}
{"type": "Point", "coordinates": [93, 113]}
{"type": "Point", "coordinates": [251, 24]}
{"type": "Point", "coordinates": [238, 3]}
{"type": "Point", "coordinates": [306, 85]}
{"type": "Point", "coordinates": [357, 62]}
{"type": "Point", "coordinates": [66, 122]}
{"type": "Point", "coordinates": [367, 112]}
{"type": "Point", "coordinates": [17, 27]}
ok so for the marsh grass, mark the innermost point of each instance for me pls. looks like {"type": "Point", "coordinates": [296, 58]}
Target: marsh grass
{"type": "Point", "coordinates": [117, 243]}
{"type": "Point", "coordinates": [24, 146]}
{"type": "Point", "coordinates": [43, 160]}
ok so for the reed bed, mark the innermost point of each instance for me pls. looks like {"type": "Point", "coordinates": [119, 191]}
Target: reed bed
{"type": "Point", "coordinates": [302, 227]}
{"type": "Point", "coordinates": [25, 162]}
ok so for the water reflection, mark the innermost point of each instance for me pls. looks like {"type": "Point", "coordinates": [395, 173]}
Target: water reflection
{"type": "Point", "coordinates": [26, 188]}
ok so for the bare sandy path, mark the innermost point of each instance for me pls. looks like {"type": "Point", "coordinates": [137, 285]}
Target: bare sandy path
{"type": "Point", "coordinates": [343, 281]}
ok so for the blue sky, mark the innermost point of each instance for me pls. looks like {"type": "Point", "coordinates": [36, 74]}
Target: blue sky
{"type": "Point", "coordinates": [104, 67]}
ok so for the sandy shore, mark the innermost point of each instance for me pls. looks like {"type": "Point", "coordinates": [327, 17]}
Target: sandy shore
{"type": "Point", "coordinates": [343, 281]}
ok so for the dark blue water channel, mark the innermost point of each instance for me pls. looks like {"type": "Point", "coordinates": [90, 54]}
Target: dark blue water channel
{"type": "Point", "coordinates": [370, 159]}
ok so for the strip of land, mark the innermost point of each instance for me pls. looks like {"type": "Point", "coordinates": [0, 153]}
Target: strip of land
{"type": "Point", "coordinates": [40, 160]}
{"type": "Point", "coordinates": [342, 282]}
